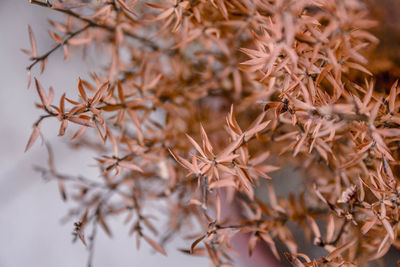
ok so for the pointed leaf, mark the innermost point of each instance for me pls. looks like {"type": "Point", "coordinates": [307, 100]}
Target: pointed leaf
{"type": "Point", "coordinates": [155, 245]}
{"type": "Point", "coordinates": [33, 137]}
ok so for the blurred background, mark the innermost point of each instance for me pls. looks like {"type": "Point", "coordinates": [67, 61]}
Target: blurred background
{"type": "Point", "coordinates": [31, 210]}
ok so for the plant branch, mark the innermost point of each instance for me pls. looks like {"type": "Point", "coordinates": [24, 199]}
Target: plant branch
{"type": "Point", "coordinates": [93, 23]}
{"type": "Point", "coordinates": [48, 53]}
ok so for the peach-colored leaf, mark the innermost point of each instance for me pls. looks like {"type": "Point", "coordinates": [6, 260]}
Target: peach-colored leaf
{"type": "Point", "coordinates": [125, 7]}
{"type": "Point", "coordinates": [388, 228]}
{"type": "Point", "coordinates": [32, 41]}
{"type": "Point", "coordinates": [392, 96]}
{"type": "Point", "coordinates": [33, 137]}
{"type": "Point", "coordinates": [155, 245]}
{"type": "Point", "coordinates": [104, 224]}
{"type": "Point", "coordinates": [41, 93]}
{"type": "Point", "coordinates": [336, 253]}
{"type": "Point", "coordinates": [130, 166]}
{"type": "Point", "coordinates": [198, 148]}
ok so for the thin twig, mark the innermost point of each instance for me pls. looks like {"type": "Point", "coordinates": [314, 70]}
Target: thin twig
{"type": "Point", "coordinates": [92, 238]}
{"type": "Point", "coordinates": [93, 23]}
{"type": "Point", "coordinates": [48, 53]}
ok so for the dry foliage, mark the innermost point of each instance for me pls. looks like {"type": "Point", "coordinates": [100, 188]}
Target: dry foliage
{"type": "Point", "coordinates": [201, 99]}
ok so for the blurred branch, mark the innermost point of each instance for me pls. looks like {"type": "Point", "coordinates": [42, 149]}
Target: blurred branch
{"type": "Point", "coordinates": [93, 23]}
{"type": "Point", "coordinates": [48, 53]}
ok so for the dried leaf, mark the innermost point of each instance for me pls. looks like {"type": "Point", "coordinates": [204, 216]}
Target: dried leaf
{"type": "Point", "coordinates": [337, 252]}
{"type": "Point", "coordinates": [32, 41]}
{"type": "Point", "coordinates": [155, 245]}
{"type": "Point", "coordinates": [104, 224]}
{"type": "Point", "coordinates": [125, 7]}
{"type": "Point", "coordinates": [33, 137]}
{"type": "Point", "coordinates": [388, 228]}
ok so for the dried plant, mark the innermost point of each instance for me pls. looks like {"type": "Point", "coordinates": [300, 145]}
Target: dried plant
{"type": "Point", "coordinates": [199, 101]}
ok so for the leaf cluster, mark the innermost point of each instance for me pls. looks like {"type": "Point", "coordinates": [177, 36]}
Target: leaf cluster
{"type": "Point", "coordinates": [201, 100]}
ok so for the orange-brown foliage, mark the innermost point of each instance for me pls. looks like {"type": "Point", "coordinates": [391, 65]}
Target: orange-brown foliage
{"type": "Point", "coordinates": [201, 100]}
